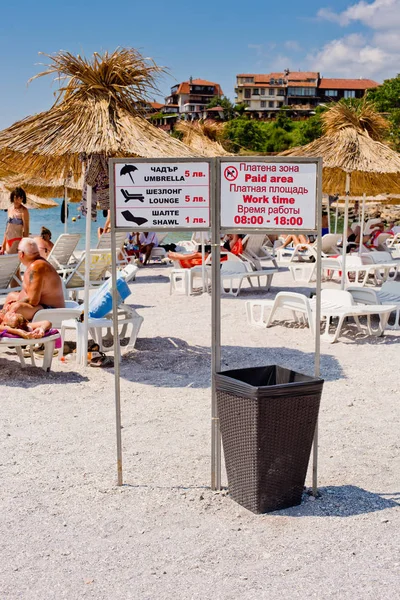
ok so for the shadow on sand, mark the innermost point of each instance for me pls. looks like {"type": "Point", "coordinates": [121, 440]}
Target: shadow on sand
{"type": "Point", "coordinates": [12, 375]}
{"type": "Point", "coordinates": [155, 360]}
{"type": "Point", "coordinates": [342, 501]}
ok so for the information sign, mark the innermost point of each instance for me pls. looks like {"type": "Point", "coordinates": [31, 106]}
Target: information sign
{"type": "Point", "coordinates": [268, 195]}
{"type": "Point", "coordinates": [162, 194]}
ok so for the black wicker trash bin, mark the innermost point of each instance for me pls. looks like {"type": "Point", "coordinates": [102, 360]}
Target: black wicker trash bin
{"type": "Point", "coordinates": [267, 417]}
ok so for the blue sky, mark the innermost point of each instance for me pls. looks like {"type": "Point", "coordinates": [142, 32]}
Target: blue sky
{"type": "Point", "coordinates": [215, 42]}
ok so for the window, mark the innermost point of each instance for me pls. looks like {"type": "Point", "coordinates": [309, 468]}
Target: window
{"type": "Point", "coordinates": [248, 80]}
{"type": "Point", "coordinates": [331, 92]}
{"type": "Point", "coordinates": [262, 91]}
{"type": "Point", "coordinates": [271, 104]}
{"type": "Point", "coordinates": [281, 92]}
{"type": "Point", "coordinates": [247, 102]}
{"type": "Point", "coordinates": [190, 108]}
{"type": "Point", "coordinates": [263, 104]}
{"type": "Point", "coordinates": [349, 93]}
{"type": "Point", "coordinates": [247, 93]}
{"type": "Point", "coordinates": [300, 91]}
{"type": "Point", "coordinates": [272, 81]}
{"type": "Point", "coordinates": [280, 81]}
{"type": "Point", "coordinates": [256, 92]}
{"type": "Point", "coordinates": [271, 92]}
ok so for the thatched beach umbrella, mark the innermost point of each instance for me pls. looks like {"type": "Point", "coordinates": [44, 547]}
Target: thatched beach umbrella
{"type": "Point", "coordinates": [32, 201]}
{"type": "Point", "coordinates": [202, 138]}
{"type": "Point", "coordinates": [96, 113]}
{"type": "Point", "coordinates": [354, 158]}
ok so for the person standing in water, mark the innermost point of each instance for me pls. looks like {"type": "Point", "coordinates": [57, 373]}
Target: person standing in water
{"type": "Point", "coordinates": [17, 226]}
{"type": "Point", "coordinates": [17, 223]}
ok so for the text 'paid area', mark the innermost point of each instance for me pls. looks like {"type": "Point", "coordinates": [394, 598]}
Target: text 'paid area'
{"type": "Point", "coordinates": [273, 196]}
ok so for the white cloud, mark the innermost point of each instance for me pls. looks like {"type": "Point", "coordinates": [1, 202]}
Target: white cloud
{"type": "Point", "coordinates": [377, 15]}
{"type": "Point", "coordinates": [374, 55]}
{"type": "Point", "coordinates": [292, 45]}
{"type": "Point", "coordinates": [350, 56]}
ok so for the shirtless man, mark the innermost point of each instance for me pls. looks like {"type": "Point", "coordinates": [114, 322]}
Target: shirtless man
{"type": "Point", "coordinates": [41, 286]}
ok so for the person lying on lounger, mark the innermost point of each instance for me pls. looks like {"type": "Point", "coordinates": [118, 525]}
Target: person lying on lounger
{"type": "Point", "coordinates": [233, 244]}
{"type": "Point", "coordinates": [295, 240]}
{"type": "Point", "coordinates": [16, 324]}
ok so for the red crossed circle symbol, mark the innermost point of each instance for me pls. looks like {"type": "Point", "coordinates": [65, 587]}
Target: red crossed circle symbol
{"type": "Point", "coordinates": [231, 173]}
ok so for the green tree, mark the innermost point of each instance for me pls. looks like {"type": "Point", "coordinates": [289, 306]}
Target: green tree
{"type": "Point", "coordinates": [386, 96]}
{"type": "Point", "coordinates": [226, 104]}
{"type": "Point", "coordinates": [387, 100]}
{"type": "Point", "coordinates": [311, 129]}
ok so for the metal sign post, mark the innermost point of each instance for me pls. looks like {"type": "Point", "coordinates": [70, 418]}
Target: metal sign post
{"type": "Point", "coordinates": [262, 195]}
{"type": "Point", "coordinates": [153, 195]}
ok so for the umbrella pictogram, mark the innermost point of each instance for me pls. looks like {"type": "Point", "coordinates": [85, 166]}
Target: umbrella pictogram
{"type": "Point", "coordinates": [128, 216]}
{"type": "Point", "coordinates": [128, 170]}
{"type": "Point", "coordinates": [129, 196]}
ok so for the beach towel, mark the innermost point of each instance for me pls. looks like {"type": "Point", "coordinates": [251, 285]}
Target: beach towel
{"type": "Point", "coordinates": [5, 334]}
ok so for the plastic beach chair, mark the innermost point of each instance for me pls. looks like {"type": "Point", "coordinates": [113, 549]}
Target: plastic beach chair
{"type": "Point", "coordinates": [9, 264]}
{"type": "Point", "coordinates": [62, 253]}
{"type": "Point", "coordinates": [17, 343]}
{"type": "Point", "coordinates": [335, 304]}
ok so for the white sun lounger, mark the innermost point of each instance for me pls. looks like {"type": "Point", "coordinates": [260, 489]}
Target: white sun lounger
{"type": "Point", "coordinates": [9, 264]}
{"type": "Point", "coordinates": [334, 304]}
{"type": "Point", "coordinates": [388, 294]}
{"type": "Point", "coordinates": [360, 270]}
{"type": "Point", "coordinates": [255, 250]}
{"type": "Point", "coordinates": [62, 253]}
{"type": "Point", "coordinates": [17, 343]}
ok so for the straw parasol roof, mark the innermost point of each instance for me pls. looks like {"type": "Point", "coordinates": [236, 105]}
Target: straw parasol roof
{"type": "Point", "coordinates": [202, 138]}
{"type": "Point", "coordinates": [97, 111]}
{"type": "Point", "coordinates": [32, 201]}
{"type": "Point", "coordinates": [52, 188]}
{"type": "Point", "coordinates": [352, 144]}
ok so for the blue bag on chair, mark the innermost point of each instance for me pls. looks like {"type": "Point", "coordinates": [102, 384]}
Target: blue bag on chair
{"type": "Point", "coordinates": [101, 302]}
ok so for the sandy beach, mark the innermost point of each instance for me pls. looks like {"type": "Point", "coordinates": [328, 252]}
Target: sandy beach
{"type": "Point", "coordinates": [68, 532]}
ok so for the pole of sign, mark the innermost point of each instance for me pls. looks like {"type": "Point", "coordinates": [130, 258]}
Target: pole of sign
{"type": "Point", "coordinates": [203, 260]}
{"type": "Point", "coordinates": [84, 349]}
{"type": "Point", "coordinates": [215, 323]}
{"type": "Point", "coordinates": [317, 356]}
{"type": "Point", "coordinates": [117, 350]}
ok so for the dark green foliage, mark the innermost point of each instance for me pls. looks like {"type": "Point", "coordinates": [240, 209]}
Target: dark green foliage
{"type": "Point", "coordinates": [387, 100]}
{"type": "Point", "coordinates": [271, 136]}
{"type": "Point", "coordinates": [226, 104]}
{"type": "Point", "coordinates": [387, 95]}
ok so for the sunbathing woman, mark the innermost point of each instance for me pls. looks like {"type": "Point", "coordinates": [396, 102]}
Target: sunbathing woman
{"type": "Point", "coordinates": [16, 324]}
{"type": "Point", "coordinates": [232, 244]}
{"type": "Point", "coordinates": [296, 240]}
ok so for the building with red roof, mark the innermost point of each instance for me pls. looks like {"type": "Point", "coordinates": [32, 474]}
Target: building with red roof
{"type": "Point", "coordinates": [299, 91]}
{"type": "Point", "coordinates": [191, 97]}
{"type": "Point", "coordinates": [336, 89]}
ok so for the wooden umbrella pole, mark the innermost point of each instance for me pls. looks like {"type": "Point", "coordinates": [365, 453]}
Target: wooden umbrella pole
{"type": "Point", "coordinates": [345, 227]}
{"type": "Point", "coordinates": [337, 214]}
{"type": "Point", "coordinates": [87, 276]}
{"type": "Point", "coordinates": [65, 207]}
{"type": "Point", "coordinates": [360, 248]}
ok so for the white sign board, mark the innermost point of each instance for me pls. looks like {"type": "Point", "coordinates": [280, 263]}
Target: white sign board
{"type": "Point", "coordinates": [268, 195]}
{"type": "Point", "coordinates": [152, 195]}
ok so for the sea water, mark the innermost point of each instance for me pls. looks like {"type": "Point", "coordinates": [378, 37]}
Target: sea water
{"type": "Point", "coordinates": [51, 218]}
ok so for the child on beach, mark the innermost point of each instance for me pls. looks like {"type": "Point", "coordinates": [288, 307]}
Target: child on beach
{"type": "Point", "coordinates": [16, 324]}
